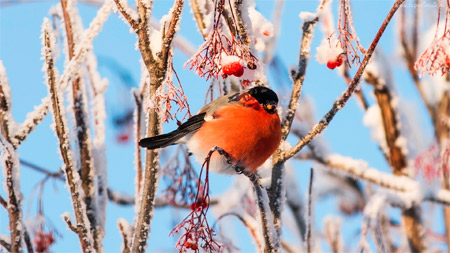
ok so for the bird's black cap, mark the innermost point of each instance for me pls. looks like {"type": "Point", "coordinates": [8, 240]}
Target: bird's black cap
{"type": "Point", "coordinates": [264, 95]}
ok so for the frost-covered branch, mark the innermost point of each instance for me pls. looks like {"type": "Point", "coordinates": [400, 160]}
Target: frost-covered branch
{"type": "Point", "coordinates": [5, 242]}
{"type": "Point", "coordinates": [10, 164]}
{"type": "Point", "coordinates": [309, 214]}
{"type": "Point", "coordinates": [276, 188]}
{"type": "Point", "coordinates": [125, 229]}
{"type": "Point", "coordinates": [166, 44]}
{"type": "Point", "coordinates": [62, 132]}
{"type": "Point", "coordinates": [6, 119]}
{"type": "Point", "coordinates": [199, 16]}
{"type": "Point", "coordinates": [31, 121]}
{"type": "Point", "coordinates": [340, 103]}
{"type": "Point", "coordinates": [271, 237]}
{"type": "Point", "coordinates": [394, 150]}
{"type": "Point", "coordinates": [83, 139]}
{"type": "Point", "coordinates": [239, 22]}
{"type": "Point", "coordinates": [127, 13]}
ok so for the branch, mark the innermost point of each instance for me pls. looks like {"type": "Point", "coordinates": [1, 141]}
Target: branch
{"type": "Point", "coordinates": [340, 103]}
{"type": "Point", "coordinates": [32, 120]}
{"type": "Point", "coordinates": [10, 164]}
{"type": "Point", "coordinates": [6, 119]}
{"type": "Point", "coordinates": [417, 191]}
{"type": "Point", "coordinates": [199, 17]}
{"type": "Point", "coordinates": [276, 188]}
{"type": "Point", "coordinates": [309, 219]}
{"type": "Point", "coordinates": [137, 124]}
{"type": "Point", "coordinates": [127, 13]}
{"type": "Point", "coordinates": [3, 202]}
{"type": "Point", "coordinates": [124, 231]}
{"type": "Point", "coordinates": [69, 224]}
{"type": "Point", "coordinates": [5, 244]}
{"type": "Point", "coordinates": [271, 240]}
{"type": "Point", "coordinates": [170, 34]}
{"type": "Point", "coordinates": [62, 131]}
{"type": "Point", "coordinates": [82, 131]}
{"type": "Point", "coordinates": [240, 25]}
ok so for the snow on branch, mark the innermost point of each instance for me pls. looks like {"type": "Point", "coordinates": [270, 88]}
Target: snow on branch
{"type": "Point", "coordinates": [62, 132]}
{"type": "Point", "coordinates": [31, 121]}
{"type": "Point", "coordinates": [72, 67]}
{"type": "Point", "coordinates": [10, 164]}
{"type": "Point", "coordinates": [6, 119]}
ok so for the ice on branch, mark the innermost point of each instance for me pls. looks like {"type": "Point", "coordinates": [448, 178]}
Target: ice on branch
{"type": "Point", "coordinates": [263, 30]}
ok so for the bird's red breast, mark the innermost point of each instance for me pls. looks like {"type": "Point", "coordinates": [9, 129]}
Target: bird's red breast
{"type": "Point", "coordinates": [247, 132]}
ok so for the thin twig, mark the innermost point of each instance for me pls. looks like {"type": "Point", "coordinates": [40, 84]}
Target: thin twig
{"type": "Point", "coordinates": [126, 240]}
{"type": "Point", "coordinates": [70, 224]}
{"type": "Point", "coordinates": [27, 239]}
{"type": "Point", "coordinates": [308, 228]}
{"type": "Point", "coordinates": [170, 34]}
{"type": "Point", "coordinates": [197, 10]}
{"type": "Point", "coordinates": [3, 202]}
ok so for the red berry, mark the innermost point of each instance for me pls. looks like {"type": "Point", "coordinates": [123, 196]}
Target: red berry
{"type": "Point", "coordinates": [266, 33]}
{"type": "Point", "coordinates": [331, 64]}
{"type": "Point", "coordinates": [239, 72]}
{"type": "Point", "coordinates": [227, 69]}
{"type": "Point", "coordinates": [447, 60]}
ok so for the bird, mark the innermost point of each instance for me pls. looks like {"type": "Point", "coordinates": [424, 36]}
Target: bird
{"type": "Point", "coordinates": [244, 126]}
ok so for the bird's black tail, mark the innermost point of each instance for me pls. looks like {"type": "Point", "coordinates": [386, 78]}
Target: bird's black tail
{"type": "Point", "coordinates": [164, 140]}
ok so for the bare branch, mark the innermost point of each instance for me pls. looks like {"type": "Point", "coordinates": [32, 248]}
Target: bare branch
{"type": "Point", "coordinates": [6, 118]}
{"type": "Point", "coordinates": [3, 202]}
{"type": "Point", "coordinates": [27, 239]}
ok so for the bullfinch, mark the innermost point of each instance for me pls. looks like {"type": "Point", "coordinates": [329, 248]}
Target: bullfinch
{"type": "Point", "coordinates": [245, 126]}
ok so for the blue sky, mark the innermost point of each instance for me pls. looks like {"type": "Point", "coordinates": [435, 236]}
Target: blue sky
{"type": "Point", "coordinates": [20, 48]}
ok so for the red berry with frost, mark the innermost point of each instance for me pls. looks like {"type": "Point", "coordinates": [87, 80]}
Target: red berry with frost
{"type": "Point", "coordinates": [266, 33]}
{"type": "Point", "coordinates": [233, 68]}
{"type": "Point", "coordinates": [331, 64]}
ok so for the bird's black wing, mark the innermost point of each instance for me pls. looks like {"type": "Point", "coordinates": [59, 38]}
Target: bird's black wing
{"type": "Point", "coordinates": [164, 140]}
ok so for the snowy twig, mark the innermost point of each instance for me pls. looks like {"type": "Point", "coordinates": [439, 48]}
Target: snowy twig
{"type": "Point", "coordinates": [137, 124]}
{"type": "Point", "coordinates": [6, 119]}
{"type": "Point", "coordinates": [70, 225]}
{"type": "Point", "coordinates": [197, 10]}
{"type": "Point", "coordinates": [170, 33]}
{"type": "Point", "coordinates": [125, 236]}
{"type": "Point", "coordinates": [239, 22]}
{"type": "Point", "coordinates": [340, 103]}
{"type": "Point", "coordinates": [271, 237]}
{"type": "Point", "coordinates": [332, 231]}
{"type": "Point", "coordinates": [10, 164]}
{"type": "Point", "coordinates": [5, 244]}
{"type": "Point", "coordinates": [62, 131]}
{"type": "Point", "coordinates": [309, 219]}
{"type": "Point", "coordinates": [299, 74]}
{"type": "Point", "coordinates": [277, 171]}
{"type": "Point", "coordinates": [32, 120]}
{"type": "Point", "coordinates": [82, 128]}
{"type": "Point", "coordinates": [125, 10]}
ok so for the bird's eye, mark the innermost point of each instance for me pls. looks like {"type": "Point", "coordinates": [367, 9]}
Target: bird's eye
{"type": "Point", "coordinates": [270, 107]}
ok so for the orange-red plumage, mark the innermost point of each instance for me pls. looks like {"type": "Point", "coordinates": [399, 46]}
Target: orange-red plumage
{"type": "Point", "coordinates": [245, 125]}
{"type": "Point", "coordinates": [248, 134]}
